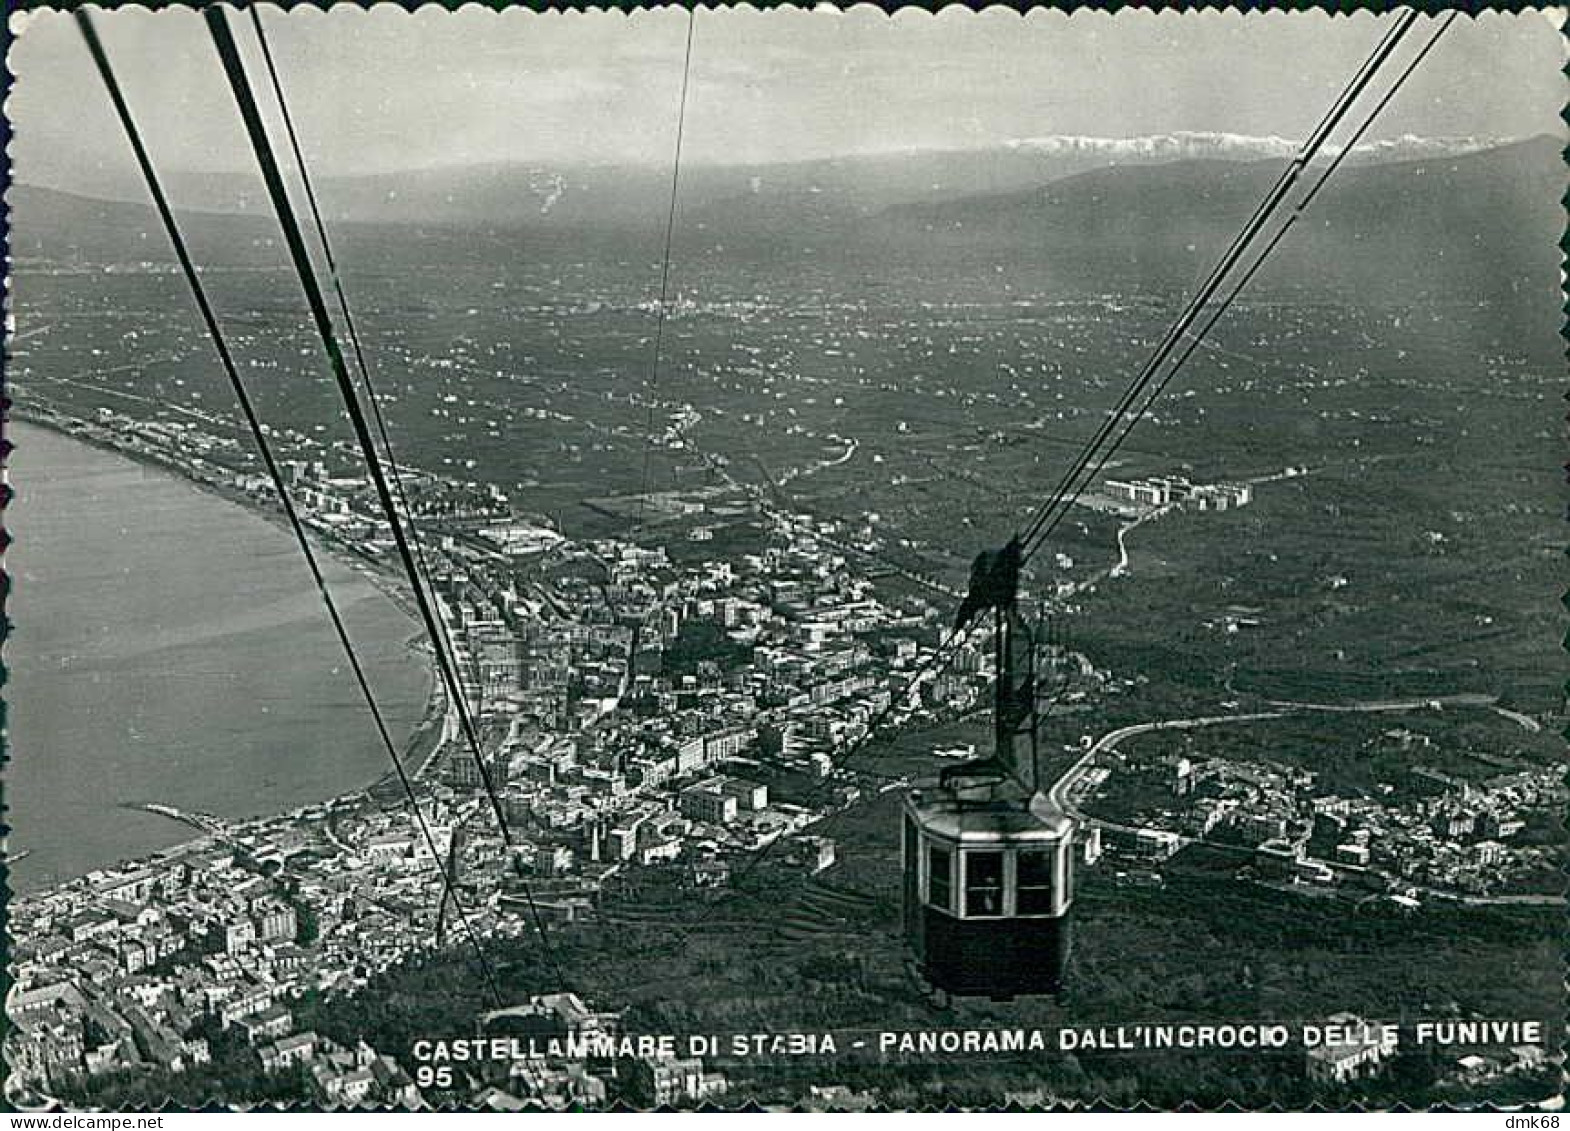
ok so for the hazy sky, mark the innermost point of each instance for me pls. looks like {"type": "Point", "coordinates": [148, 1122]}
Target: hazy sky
{"type": "Point", "coordinates": [385, 89]}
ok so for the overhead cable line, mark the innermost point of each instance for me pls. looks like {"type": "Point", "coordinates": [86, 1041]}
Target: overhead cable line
{"type": "Point", "coordinates": [652, 382]}
{"type": "Point", "coordinates": [1214, 316]}
{"type": "Point", "coordinates": [234, 69]}
{"type": "Point", "coordinates": [1069, 487]}
{"type": "Point", "coordinates": [1298, 210]}
{"type": "Point", "coordinates": [264, 447]}
{"type": "Point", "coordinates": [1240, 243]}
{"type": "Point", "coordinates": [652, 385]}
{"type": "Point", "coordinates": [395, 473]}
{"type": "Point", "coordinates": [1197, 338]}
{"type": "Point", "coordinates": [941, 658]}
{"type": "Point", "coordinates": [1174, 330]}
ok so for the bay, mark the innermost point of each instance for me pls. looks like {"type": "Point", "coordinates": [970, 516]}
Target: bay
{"type": "Point", "coordinates": [168, 646]}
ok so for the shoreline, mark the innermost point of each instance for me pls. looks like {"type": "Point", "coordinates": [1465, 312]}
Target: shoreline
{"type": "Point", "coordinates": [418, 746]}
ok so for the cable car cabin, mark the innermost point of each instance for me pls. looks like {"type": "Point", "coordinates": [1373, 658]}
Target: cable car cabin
{"type": "Point", "coordinates": [988, 889]}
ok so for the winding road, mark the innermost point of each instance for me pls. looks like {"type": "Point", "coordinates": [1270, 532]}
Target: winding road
{"type": "Point", "coordinates": [1063, 791]}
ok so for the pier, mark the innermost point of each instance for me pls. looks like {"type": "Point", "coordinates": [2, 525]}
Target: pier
{"type": "Point", "coordinates": [203, 822]}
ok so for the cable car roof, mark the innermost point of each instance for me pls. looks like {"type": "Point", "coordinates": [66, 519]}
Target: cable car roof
{"type": "Point", "coordinates": [991, 820]}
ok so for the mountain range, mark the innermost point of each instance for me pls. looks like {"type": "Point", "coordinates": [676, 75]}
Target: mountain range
{"type": "Point", "coordinates": [1185, 145]}
{"type": "Point", "coordinates": [508, 194]}
{"type": "Point", "coordinates": [1481, 223]}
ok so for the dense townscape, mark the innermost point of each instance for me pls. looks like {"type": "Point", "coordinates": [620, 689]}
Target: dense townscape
{"type": "Point", "coordinates": [894, 609]}
{"type": "Point", "coordinates": [641, 708]}
{"type": "Point", "coordinates": [627, 703]}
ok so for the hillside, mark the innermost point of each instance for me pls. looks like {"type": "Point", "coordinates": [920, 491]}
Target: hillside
{"type": "Point", "coordinates": [1483, 224]}
{"type": "Point", "coordinates": [1478, 227]}
{"type": "Point", "coordinates": [506, 194]}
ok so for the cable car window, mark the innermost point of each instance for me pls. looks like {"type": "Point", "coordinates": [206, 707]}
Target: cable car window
{"type": "Point", "coordinates": [983, 883]}
{"type": "Point", "coordinates": [1033, 895]}
{"type": "Point", "coordinates": [940, 888]}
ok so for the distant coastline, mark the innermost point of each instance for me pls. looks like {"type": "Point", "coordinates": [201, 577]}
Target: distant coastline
{"type": "Point", "coordinates": [382, 576]}
{"type": "Point", "coordinates": [421, 741]}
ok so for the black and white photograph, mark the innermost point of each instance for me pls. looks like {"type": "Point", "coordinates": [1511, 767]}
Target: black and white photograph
{"type": "Point", "coordinates": [825, 558]}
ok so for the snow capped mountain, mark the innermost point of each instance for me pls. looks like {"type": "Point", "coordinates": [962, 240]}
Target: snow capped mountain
{"type": "Point", "coordinates": [782, 200]}
{"type": "Point", "coordinates": [1410, 147]}
{"type": "Point", "coordinates": [1174, 146]}
{"type": "Point", "coordinates": [1202, 145]}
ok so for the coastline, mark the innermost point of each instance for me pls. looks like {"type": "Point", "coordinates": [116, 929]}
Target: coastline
{"type": "Point", "coordinates": [421, 742]}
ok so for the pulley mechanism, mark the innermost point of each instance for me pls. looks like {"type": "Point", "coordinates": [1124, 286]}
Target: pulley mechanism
{"type": "Point", "coordinates": [988, 858]}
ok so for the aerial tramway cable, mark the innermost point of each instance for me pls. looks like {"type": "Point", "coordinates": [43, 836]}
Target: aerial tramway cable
{"type": "Point", "coordinates": [1066, 492]}
{"type": "Point", "coordinates": [1257, 219]}
{"type": "Point", "coordinates": [1075, 481]}
{"type": "Point", "coordinates": [234, 69]}
{"type": "Point", "coordinates": [395, 473]}
{"type": "Point", "coordinates": [1063, 496]}
{"type": "Point", "coordinates": [1298, 211]}
{"type": "Point", "coordinates": [652, 385]}
{"type": "Point", "coordinates": [1194, 340]}
{"type": "Point", "coordinates": [258, 431]}
{"type": "Point", "coordinates": [371, 395]}
{"type": "Point", "coordinates": [985, 814]}
{"type": "Point", "coordinates": [1346, 149]}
